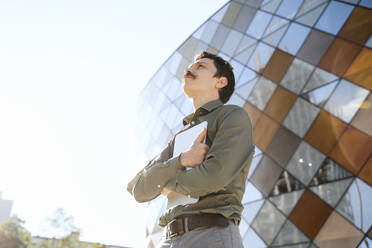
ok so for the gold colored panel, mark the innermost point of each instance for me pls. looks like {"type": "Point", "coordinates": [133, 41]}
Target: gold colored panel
{"type": "Point", "coordinates": [360, 71]}
{"type": "Point", "coordinates": [278, 66]}
{"type": "Point", "coordinates": [325, 131]}
{"type": "Point", "coordinates": [358, 26]}
{"type": "Point", "coordinates": [310, 214]}
{"type": "Point", "coordinates": [339, 56]}
{"type": "Point", "coordinates": [264, 131]}
{"type": "Point", "coordinates": [352, 150]}
{"type": "Point", "coordinates": [280, 104]}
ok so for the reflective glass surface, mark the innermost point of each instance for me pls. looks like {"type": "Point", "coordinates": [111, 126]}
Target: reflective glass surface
{"type": "Point", "coordinates": [262, 92]}
{"type": "Point", "coordinates": [244, 18]}
{"type": "Point", "coordinates": [311, 17]}
{"type": "Point", "coordinates": [253, 240]}
{"type": "Point", "coordinates": [256, 159]}
{"type": "Point", "coordinates": [345, 236]}
{"type": "Point", "coordinates": [209, 31]}
{"type": "Point", "coordinates": [246, 42]}
{"type": "Point", "coordinates": [305, 162]}
{"type": "Point", "coordinates": [220, 36]}
{"type": "Point", "coordinates": [289, 8]}
{"type": "Point", "coordinates": [258, 24]}
{"type": "Point", "coordinates": [363, 118]}
{"type": "Point", "coordinates": [283, 145]}
{"type": "Point", "coordinates": [268, 222]}
{"type": "Point", "coordinates": [334, 17]}
{"type": "Point", "coordinates": [320, 95]}
{"type": "Point", "coordinates": [286, 202]}
{"type": "Point", "coordinates": [356, 205]}
{"type": "Point", "coordinates": [300, 117]}
{"type": "Point", "coordinates": [293, 39]}
{"type": "Point", "coordinates": [245, 90]}
{"type": "Point", "coordinates": [260, 57]}
{"type": "Point", "coordinates": [251, 193]}
{"type": "Point", "coordinates": [328, 172]}
{"type": "Point", "coordinates": [274, 37]}
{"type": "Point", "coordinates": [309, 5]}
{"type": "Point", "coordinates": [271, 6]}
{"type": "Point", "coordinates": [231, 14]}
{"type": "Point", "coordinates": [366, 243]}
{"type": "Point", "coordinates": [285, 184]}
{"type": "Point", "coordinates": [346, 100]}
{"type": "Point", "coordinates": [251, 209]}
{"type": "Point", "coordinates": [332, 192]}
{"type": "Point", "coordinates": [246, 76]}
{"type": "Point", "coordinates": [245, 55]}
{"type": "Point", "coordinates": [275, 24]}
{"type": "Point", "coordinates": [318, 78]}
{"type": "Point", "coordinates": [289, 234]}
{"type": "Point", "coordinates": [232, 42]}
{"type": "Point", "coordinates": [297, 75]}
{"type": "Point", "coordinates": [315, 46]}
{"type": "Point", "coordinates": [266, 175]}
{"type": "Point", "coordinates": [366, 3]}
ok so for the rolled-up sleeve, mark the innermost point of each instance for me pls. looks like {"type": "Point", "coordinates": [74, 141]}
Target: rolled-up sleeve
{"type": "Point", "coordinates": [231, 150]}
{"type": "Point", "coordinates": [149, 182]}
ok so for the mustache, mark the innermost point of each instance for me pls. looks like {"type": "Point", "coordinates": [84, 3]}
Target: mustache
{"type": "Point", "coordinates": [189, 74]}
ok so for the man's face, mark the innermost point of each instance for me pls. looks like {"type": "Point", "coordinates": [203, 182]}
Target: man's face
{"type": "Point", "coordinates": [199, 78]}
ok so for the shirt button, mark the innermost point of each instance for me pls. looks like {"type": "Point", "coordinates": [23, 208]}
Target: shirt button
{"type": "Point", "coordinates": [158, 186]}
{"type": "Point", "coordinates": [193, 122]}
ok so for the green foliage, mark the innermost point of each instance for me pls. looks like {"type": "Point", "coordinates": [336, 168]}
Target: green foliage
{"type": "Point", "coordinates": [13, 234]}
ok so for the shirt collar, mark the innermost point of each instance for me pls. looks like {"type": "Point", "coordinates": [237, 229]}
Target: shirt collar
{"type": "Point", "coordinates": [203, 110]}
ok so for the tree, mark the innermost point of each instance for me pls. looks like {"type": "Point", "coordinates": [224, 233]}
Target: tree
{"type": "Point", "coordinates": [13, 234]}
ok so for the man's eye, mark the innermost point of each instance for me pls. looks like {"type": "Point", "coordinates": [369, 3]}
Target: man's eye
{"type": "Point", "coordinates": [200, 66]}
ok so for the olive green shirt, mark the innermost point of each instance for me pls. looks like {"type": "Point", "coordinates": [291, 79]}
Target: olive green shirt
{"type": "Point", "coordinates": [219, 181]}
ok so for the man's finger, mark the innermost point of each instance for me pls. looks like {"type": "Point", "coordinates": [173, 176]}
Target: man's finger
{"type": "Point", "coordinates": [201, 136]}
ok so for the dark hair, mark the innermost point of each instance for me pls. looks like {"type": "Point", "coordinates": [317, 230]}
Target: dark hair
{"type": "Point", "coordinates": [224, 69]}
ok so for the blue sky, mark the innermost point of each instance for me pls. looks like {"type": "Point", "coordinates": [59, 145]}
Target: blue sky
{"type": "Point", "coordinates": [70, 74]}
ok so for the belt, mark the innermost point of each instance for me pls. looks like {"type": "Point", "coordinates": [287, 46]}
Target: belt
{"type": "Point", "coordinates": [184, 224]}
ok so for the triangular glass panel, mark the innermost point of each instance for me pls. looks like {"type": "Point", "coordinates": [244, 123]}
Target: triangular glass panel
{"type": "Point", "coordinates": [245, 55]}
{"type": "Point", "coordinates": [220, 14]}
{"type": "Point", "coordinates": [312, 16]}
{"type": "Point", "coordinates": [264, 2]}
{"type": "Point", "coordinates": [245, 43]}
{"type": "Point", "coordinates": [286, 202]}
{"type": "Point", "coordinates": [179, 101]}
{"type": "Point", "coordinates": [366, 243]}
{"type": "Point", "coordinates": [332, 192]}
{"type": "Point", "coordinates": [308, 6]}
{"type": "Point", "coordinates": [243, 227]}
{"type": "Point", "coordinates": [356, 205]}
{"type": "Point", "coordinates": [198, 34]}
{"type": "Point", "coordinates": [250, 210]}
{"type": "Point", "coordinates": [318, 78]}
{"type": "Point", "coordinates": [251, 193]}
{"type": "Point", "coordinates": [285, 184]}
{"type": "Point", "coordinates": [255, 161]}
{"type": "Point", "coordinates": [245, 90]}
{"type": "Point", "coordinates": [271, 6]}
{"type": "Point", "coordinates": [328, 172]}
{"type": "Point", "coordinates": [251, 239]}
{"type": "Point", "coordinates": [289, 234]}
{"type": "Point", "coordinates": [320, 95]}
{"type": "Point", "coordinates": [274, 38]}
{"type": "Point", "coordinates": [247, 75]}
{"type": "Point", "coordinates": [268, 222]}
{"type": "Point", "coordinates": [275, 24]}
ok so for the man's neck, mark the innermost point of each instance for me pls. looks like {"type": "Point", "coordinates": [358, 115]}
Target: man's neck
{"type": "Point", "coordinates": [198, 102]}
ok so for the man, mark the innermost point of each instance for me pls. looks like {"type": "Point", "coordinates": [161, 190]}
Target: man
{"type": "Point", "coordinates": [219, 168]}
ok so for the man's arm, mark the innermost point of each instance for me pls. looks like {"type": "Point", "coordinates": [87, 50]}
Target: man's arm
{"type": "Point", "coordinates": [232, 148]}
{"type": "Point", "coordinates": [149, 182]}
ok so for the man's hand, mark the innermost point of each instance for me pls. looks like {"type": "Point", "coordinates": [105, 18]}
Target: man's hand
{"type": "Point", "coordinates": [196, 154]}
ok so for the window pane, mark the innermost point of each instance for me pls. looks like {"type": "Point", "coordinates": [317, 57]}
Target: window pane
{"type": "Point", "coordinates": [334, 17]}
{"type": "Point", "coordinates": [293, 39]}
{"type": "Point", "coordinates": [289, 8]}
{"type": "Point", "coordinates": [258, 24]}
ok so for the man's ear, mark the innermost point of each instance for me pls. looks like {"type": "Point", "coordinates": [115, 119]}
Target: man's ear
{"type": "Point", "coordinates": [222, 82]}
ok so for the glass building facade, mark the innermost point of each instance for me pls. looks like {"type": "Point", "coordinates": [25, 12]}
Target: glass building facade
{"type": "Point", "coordinates": [303, 72]}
